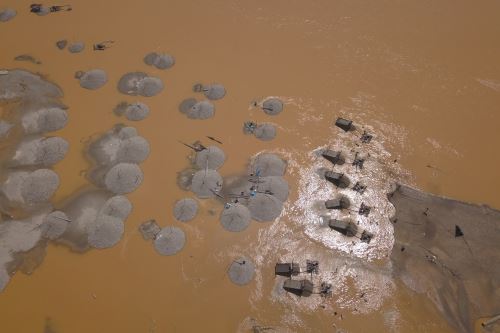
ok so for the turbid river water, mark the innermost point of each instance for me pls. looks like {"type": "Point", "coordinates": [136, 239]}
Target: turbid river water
{"type": "Point", "coordinates": [422, 76]}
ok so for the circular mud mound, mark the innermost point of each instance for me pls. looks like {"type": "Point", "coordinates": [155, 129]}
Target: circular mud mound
{"type": "Point", "coordinates": [40, 151]}
{"type": "Point", "coordinates": [7, 14]}
{"type": "Point", "coordinates": [44, 120]}
{"type": "Point", "coordinates": [106, 233]}
{"type": "Point", "coordinates": [93, 79]}
{"type": "Point", "coordinates": [241, 271]}
{"type": "Point", "coordinates": [272, 106]}
{"type": "Point", "coordinates": [265, 132]}
{"type": "Point", "coordinates": [213, 91]}
{"type": "Point", "coordinates": [123, 178]}
{"type": "Point", "coordinates": [211, 158]}
{"type": "Point", "coordinates": [235, 217]}
{"type": "Point", "coordinates": [39, 186]}
{"type": "Point", "coordinates": [186, 105]}
{"type": "Point", "coordinates": [186, 209]}
{"type": "Point", "coordinates": [134, 150]}
{"type": "Point", "coordinates": [200, 110]}
{"type": "Point", "coordinates": [120, 144]}
{"type": "Point", "coordinates": [55, 224]}
{"type": "Point", "coordinates": [136, 111]}
{"type": "Point", "coordinates": [76, 47]}
{"type": "Point", "coordinates": [169, 241]}
{"type": "Point", "coordinates": [139, 83]}
{"type": "Point", "coordinates": [159, 60]}
{"type": "Point", "coordinates": [274, 185]}
{"type": "Point", "coordinates": [117, 206]}
{"type": "Point", "coordinates": [264, 207]}
{"type": "Point", "coordinates": [267, 164]}
{"type": "Point", "coordinates": [206, 183]}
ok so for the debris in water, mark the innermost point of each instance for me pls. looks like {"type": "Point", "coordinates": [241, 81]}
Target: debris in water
{"type": "Point", "coordinates": [149, 229]}
{"type": "Point", "coordinates": [61, 44]}
{"type": "Point", "coordinates": [101, 46]}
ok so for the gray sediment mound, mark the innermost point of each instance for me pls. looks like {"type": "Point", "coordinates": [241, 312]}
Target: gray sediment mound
{"type": "Point", "coordinates": [235, 217]}
{"type": "Point", "coordinates": [274, 185]}
{"type": "Point", "coordinates": [241, 271]}
{"type": "Point", "coordinates": [206, 183]}
{"type": "Point", "coordinates": [197, 110]}
{"type": "Point", "coordinates": [159, 60]}
{"type": "Point", "coordinates": [186, 105]}
{"type": "Point", "coordinates": [149, 229]}
{"type": "Point", "coordinates": [120, 144]}
{"type": "Point", "coordinates": [7, 14]}
{"type": "Point", "coordinates": [243, 186]}
{"type": "Point", "coordinates": [21, 84]}
{"type": "Point", "coordinates": [61, 44]}
{"type": "Point", "coordinates": [5, 128]}
{"type": "Point", "coordinates": [139, 83]}
{"type": "Point", "coordinates": [264, 207]}
{"type": "Point", "coordinates": [169, 241]}
{"type": "Point", "coordinates": [117, 206]}
{"type": "Point", "coordinates": [185, 209]}
{"type": "Point", "coordinates": [211, 158]}
{"type": "Point", "coordinates": [267, 164]}
{"type": "Point", "coordinates": [39, 186]}
{"type": "Point", "coordinates": [212, 91]}
{"type": "Point", "coordinates": [265, 132]}
{"type": "Point", "coordinates": [134, 111]}
{"type": "Point", "coordinates": [272, 106]}
{"type": "Point", "coordinates": [40, 151]}
{"type": "Point", "coordinates": [96, 220]}
{"type": "Point", "coordinates": [92, 79]}
{"type": "Point", "coordinates": [106, 232]}
{"type": "Point", "coordinates": [44, 120]}
{"type": "Point", "coordinates": [34, 108]}
{"type": "Point", "coordinates": [76, 47]}
{"type": "Point", "coordinates": [448, 250]}
{"type": "Point", "coordinates": [185, 178]}
{"type": "Point", "coordinates": [17, 237]}
{"type": "Point", "coordinates": [55, 224]}
{"type": "Point", "coordinates": [27, 58]}
{"type": "Point", "coordinates": [30, 188]}
{"type": "Point", "coordinates": [123, 178]}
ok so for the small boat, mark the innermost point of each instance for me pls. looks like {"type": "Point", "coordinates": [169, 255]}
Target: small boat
{"type": "Point", "coordinates": [333, 156]}
{"type": "Point", "coordinates": [344, 124]}
{"type": "Point", "coordinates": [299, 287]}
{"type": "Point", "coordinates": [338, 179]}
{"type": "Point", "coordinates": [345, 227]}
{"type": "Point", "coordinates": [338, 203]}
{"type": "Point", "coordinates": [286, 269]}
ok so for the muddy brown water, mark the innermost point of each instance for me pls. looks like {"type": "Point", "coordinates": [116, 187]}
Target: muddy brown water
{"type": "Point", "coordinates": [426, 73]}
